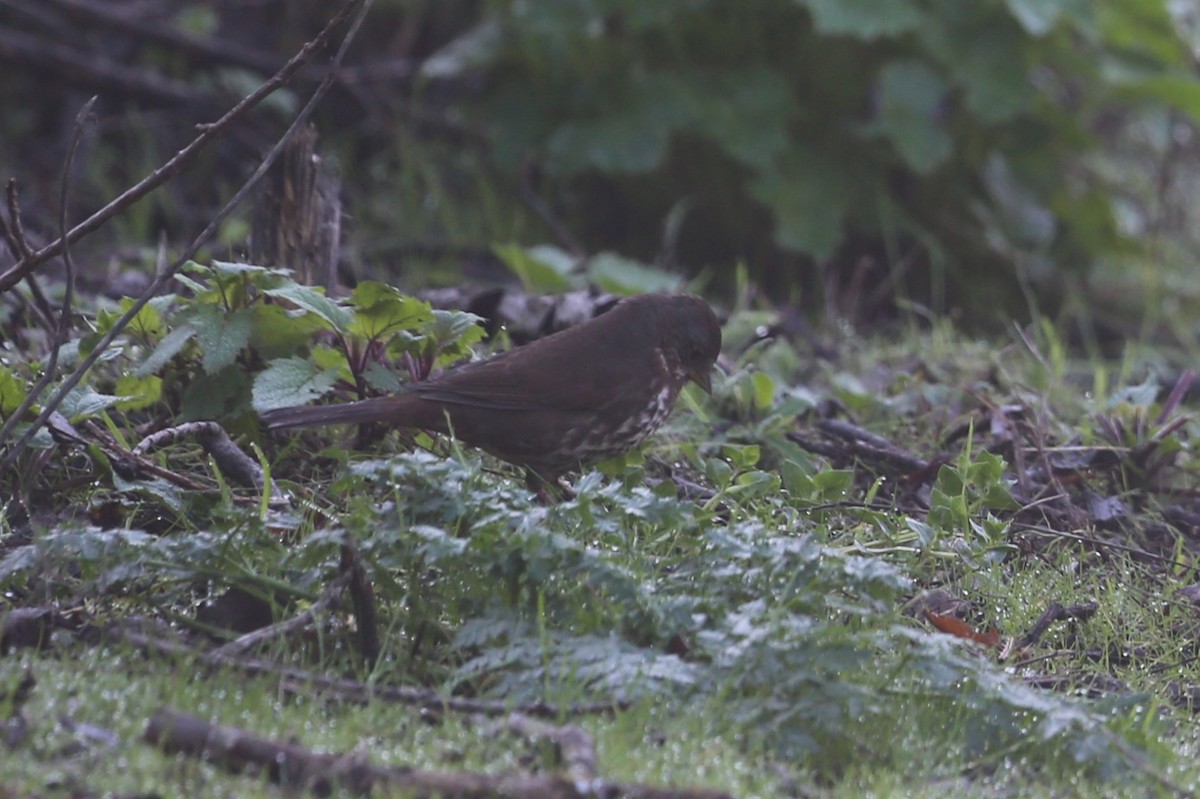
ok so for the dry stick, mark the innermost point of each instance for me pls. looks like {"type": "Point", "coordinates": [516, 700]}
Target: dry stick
{"type": "Point", "coordinates": [575, 747]}
{"type": "Point", "coordinates": [328, 599]}
{"type": "Point", "coordinates": [64, 320]}
{"type": "Point", "coordinates": [136, 465]}
{"type": "Point", "coordinates": [293, 766]}
{"type": "Point", "coordinates": [14, 237]}
{"type": "Point", "coordinates": [366, 613]}
{"type": "Point", "coordinates": [208, 132]}
{"type": "Point", "coordinates": [161, 280]}
{"type": "Point", "coordinates": [20, 242]}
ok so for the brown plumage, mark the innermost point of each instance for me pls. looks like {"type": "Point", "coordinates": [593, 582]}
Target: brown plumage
{"type": "Point", "coordinates": [576, 397]}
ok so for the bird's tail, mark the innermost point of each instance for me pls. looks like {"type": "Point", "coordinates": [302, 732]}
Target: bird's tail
{"type": "Point", "coordinates": [369, 410]}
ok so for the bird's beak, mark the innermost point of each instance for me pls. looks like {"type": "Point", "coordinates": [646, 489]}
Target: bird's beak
{"type": "Point", "coordinates": [702, 379]}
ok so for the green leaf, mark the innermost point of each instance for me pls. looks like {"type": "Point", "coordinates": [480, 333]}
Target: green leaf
{"type": "Point", "coordinates": [146, 323]}
{"type": "Point", "coordinates": [742, 111]}
{"type": "Point", "coordinates": [291, 381]}
{"type": "Point", "coordinates": [742, 456]}
{"type": "Point", "coordinates": [221, 335]}
{"type": "Point", "coordinates": [911, 109]}
{"type": "Point", "coordinates": [381, 310]}
{"type": "Point", "coordinates": [138, 392]}
{"type": "Point", "coordinates": [168, 347]}
{"type": "Point", "coordinates": [474, 49]}
{"type": "Point", "coordinates": [1038, 17]}
{"type": "Point", "coordinates": [764, 391]}
{"type": "Point", "coordinates": [86, 402]}
{"type": "Point", "coordinates": [810, 195]}
{"type": "Point", "coordinates": [629, 132]}
{"type": "Point", "coordinates": [309, 299]}
{"type": "Point", "coordinates": [1181, 91]}
{"type": "Point", "coordinates": [381, 378]}
{"type": "Point", "coordinates": [1145, 28]}
{"type": "Point", "coordinates": [542, 269]}
{"type": "Point", "coordinates": [211, 396]}
{"type": "Point", "coordinates": [718, 472]}
{"type": "Point", "coordinates": [619, 275]}
{"type": "Point", "coordinates": [12, 392]}
{"type": "Point", "coordinates": [758, 483]}
{"type": "Point", "coordinates": [864, 19]}
{"type": "Point", "coordinates": [450, 334]}
{"type": "Point", "coordinates": [834, 483]}
{"type": "Point", "coordinates": [278, 332]}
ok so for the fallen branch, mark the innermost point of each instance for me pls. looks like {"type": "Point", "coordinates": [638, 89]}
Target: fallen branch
{"type": "Point", "coordinates": [293, 766]}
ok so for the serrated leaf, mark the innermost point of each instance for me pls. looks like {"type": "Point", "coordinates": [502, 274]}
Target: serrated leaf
{"type": "Point", "coordinates": [450, 334]}
{"type": "Point", "coordinates": [381, 378]}
{"type": "Point", "coordinates": [85, 402]}
{"type": "Point", "coordinates": [168, 347]}
{"type": "Point", "coordinates": [221, 335]}
{"type": "Point", "coordinates": [241, 268]}
{"type": "Point", "coordinates": [146, 323]}
{"type": "Point", "coordinates": [291, 381]}
{"type": "Point", "coordinates": [336, 317]}
{"type": "Point", "coordinates": [278, 332]}
{"type": "Point", "coordinates": [381, 310]}
{"type": "Point", "coordinates": [216, 395]}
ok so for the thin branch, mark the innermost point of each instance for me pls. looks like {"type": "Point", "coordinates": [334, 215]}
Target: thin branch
{"type": "Point", "coordinates": [328, 600]}
{"type": "Point", "coordinates": [59, 335]}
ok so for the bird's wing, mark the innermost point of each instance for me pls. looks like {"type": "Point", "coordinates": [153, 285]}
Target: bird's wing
{"type": "Point", "coordinates": [547, 374]}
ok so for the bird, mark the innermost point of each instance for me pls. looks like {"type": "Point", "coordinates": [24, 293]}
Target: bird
{"type": "Point", "coordinates": [566, 401]}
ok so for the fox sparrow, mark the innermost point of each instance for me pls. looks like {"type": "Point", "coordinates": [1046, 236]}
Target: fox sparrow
{"type": "Point", "coordinates": [576, 397]}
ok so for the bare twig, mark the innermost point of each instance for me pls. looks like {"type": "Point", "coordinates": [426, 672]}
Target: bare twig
{"type": "Point", "coordinates": [1056, 612]}
{"type": "Point", "coordinates": [59, 335]}
{"type": "Point", "coordinates": [160, 175]}
{"type": "Point", "coordinates": [328, 599]}
{"type": "Point", "coordinates": [19, 243]}
{"type": "Point", "coordinates": [133, 465]}
{"type": "Point", "coordinates": [366, 615]}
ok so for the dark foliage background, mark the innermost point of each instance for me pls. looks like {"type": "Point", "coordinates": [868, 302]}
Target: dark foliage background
{"type": "Point", "coordinates": [845, 153]}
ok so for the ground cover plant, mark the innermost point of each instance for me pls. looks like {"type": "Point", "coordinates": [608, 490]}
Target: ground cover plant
{"type": "Point", "coordinates": [822, 566]}
{"type": "Point", "coordinates": [904, 561]}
